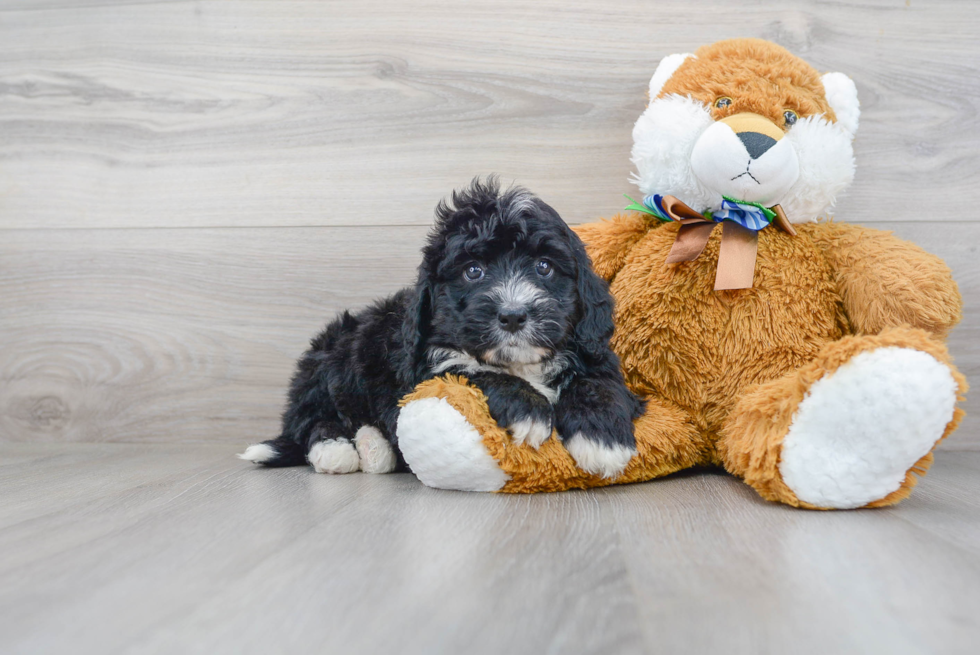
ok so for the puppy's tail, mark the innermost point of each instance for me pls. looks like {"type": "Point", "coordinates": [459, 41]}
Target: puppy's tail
{"type": "Point", "coordinates": [275, 453]}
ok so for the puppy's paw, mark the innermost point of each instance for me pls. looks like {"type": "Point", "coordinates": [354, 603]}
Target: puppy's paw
{"type": "Point", "coordinates": [516, 406]}
{"type": "Point", "coordinates": [532, 431]}
{"type": "Point", "coordinates": [334, 456]}
{"type": "Point", "coordinates": [606, 460]}
{"type": "Point", "coordinates": [374, 451]}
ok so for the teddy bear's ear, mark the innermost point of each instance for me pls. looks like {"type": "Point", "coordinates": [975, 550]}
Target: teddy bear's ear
{"type": "Point", "coordinates": [665, 69]}
{"type": "Point", "coordinates": [843, 98]}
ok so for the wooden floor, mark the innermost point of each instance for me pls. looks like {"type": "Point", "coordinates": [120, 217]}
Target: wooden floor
{"type": "Point", "coordinates": [109, 548]}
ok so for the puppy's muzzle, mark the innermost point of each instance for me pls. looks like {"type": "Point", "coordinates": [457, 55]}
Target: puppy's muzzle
{"type": "Point", "coordinates": [512, 321]}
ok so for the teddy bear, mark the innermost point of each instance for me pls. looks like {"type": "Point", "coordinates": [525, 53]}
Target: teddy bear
{"type": "Point", "coordinates": [801, 354]}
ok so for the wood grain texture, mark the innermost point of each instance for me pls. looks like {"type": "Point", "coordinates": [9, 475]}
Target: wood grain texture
{"type": "Point", "coordinates": [174, 335]}
{"type": "Point", "coordinates": [110, 548]}
{"type": "Point", "coordinates": [138, 114]}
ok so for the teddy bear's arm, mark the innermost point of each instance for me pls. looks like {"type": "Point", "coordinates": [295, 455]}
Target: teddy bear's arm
{"type": "Point", "coordinates": [609, 241]}
{"type": "Point", "coordinates": [886, 281]}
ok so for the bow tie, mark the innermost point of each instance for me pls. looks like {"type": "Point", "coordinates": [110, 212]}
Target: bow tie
{"type": "Point", "coordinates": [739, 240]}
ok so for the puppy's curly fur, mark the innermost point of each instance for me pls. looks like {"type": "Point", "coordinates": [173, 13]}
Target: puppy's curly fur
{"type": "Point", "coordinates": [505, 295]}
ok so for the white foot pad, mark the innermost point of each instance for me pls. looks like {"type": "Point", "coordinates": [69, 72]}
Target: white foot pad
{"type": "Point", "coordinates": [444, 450]}
{"type": "Point", "coordinates": [860, 429]}
{"type": "Point", "coordinates": [374, 451]}
{"type": "Point", "coordinates": [333, 456]}
{"type": "Point", "coordinates": [606, 461]}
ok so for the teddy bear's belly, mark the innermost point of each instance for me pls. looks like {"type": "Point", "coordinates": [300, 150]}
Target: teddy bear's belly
{"type": "Point", "coordinates": [681, 340]}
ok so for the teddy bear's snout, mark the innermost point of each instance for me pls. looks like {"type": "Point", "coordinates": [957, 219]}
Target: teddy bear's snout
{"type": "Point", "coordinates": [745, 156]}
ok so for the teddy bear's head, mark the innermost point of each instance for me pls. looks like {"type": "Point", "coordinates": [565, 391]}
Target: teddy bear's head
{"type": "Point", "coordinates": [746, 119]}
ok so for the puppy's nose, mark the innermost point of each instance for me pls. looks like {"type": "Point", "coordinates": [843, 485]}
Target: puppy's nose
{"type": "Point", "coordinates": [512, 321]}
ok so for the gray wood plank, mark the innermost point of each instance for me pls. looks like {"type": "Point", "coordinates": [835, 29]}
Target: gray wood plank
{"type": "Point", "coordinates": [209, 555]}
{"type": "Point", "coordinates": [773, 579]}
{"type": "Point", "coordinates": [174, 335]}
{"type": "Point", "coordinates": [131, 114]}
{"type": "Point", "coordinates": [945, 510]}
{"type": "Point", "coordinates": [190, 335]}
{"type": "Point", "coordinates": [366, 564]}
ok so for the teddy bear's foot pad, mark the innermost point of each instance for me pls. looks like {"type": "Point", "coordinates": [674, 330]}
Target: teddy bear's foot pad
{"type": "Point", "coordinates": [444, 450]}
{"type": "Point", "coordinates": [860, 429]}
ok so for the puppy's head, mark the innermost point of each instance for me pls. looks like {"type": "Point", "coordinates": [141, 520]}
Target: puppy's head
{"type": "Point", "coordinates": [505, 281]}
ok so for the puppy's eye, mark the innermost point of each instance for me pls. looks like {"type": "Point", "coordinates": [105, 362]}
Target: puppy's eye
{"type": "Point", "coordinates": [790, 117]}
{"type": "Point", "coordinates": [723, 102]}
{"type": "Point", "coordinates": [544, 268]}
{"type": "Point", "coordinates": [473, 272]}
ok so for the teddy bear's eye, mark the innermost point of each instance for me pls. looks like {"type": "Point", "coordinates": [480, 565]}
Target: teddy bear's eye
{"type": "Point", "coordinates": [723, 102]}
{"type": "Point", "coordinates": [790, 117]}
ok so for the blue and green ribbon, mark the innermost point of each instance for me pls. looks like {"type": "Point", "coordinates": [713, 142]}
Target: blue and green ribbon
{"type": "Point", "coordinates": [750, 215]}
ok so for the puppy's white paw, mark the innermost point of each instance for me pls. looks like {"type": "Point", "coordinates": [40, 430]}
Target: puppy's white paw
{"type": "Point", "coordinates": [593, 457]}
{"type": "Point", "coordinates": [374, 451]}
{"type": "Point", "coordinates": [529, 431]}
{"type": "Point", "coordinates": [334, 456]}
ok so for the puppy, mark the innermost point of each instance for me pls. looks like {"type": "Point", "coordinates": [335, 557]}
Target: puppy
{"type": "Point", "coordinates": [507, 297]}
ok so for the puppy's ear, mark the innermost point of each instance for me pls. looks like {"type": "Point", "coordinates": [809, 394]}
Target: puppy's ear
{"type": "Point", "coordinates": [595, 325]}
{"type": "Point", "coordinates": [415, 332]}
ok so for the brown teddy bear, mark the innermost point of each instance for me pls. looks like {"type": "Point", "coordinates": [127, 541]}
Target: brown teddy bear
{"type": "Point", "coordinates": [804, 356]}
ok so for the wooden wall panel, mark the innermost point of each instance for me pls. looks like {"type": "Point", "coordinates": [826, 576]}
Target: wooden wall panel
{"type": "Point", "coordinates": [132, 114]}
{"type": "Point", "coordinates": [174, 335]}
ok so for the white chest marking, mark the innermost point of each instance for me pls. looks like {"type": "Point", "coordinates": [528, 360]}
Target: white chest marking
{"type": "Point", "coordinates": [537, 375]}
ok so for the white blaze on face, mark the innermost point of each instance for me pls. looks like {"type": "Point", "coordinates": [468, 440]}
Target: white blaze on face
{"type": "Point", "coordinates": [516, 293]}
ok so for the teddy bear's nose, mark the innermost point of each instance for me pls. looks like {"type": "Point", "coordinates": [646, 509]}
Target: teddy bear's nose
{"type": "Point", "coordinates": [757, 133]}
{"type": "Point", "coordinates": [756, 143]}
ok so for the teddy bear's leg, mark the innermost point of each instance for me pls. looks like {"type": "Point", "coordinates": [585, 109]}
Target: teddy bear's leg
{"type": "Point", "coordinates": [443, 432]}
{"type": "Point", "coordinates": [448, 438]}
{"type": "Point", "coordinates": [850, 428]}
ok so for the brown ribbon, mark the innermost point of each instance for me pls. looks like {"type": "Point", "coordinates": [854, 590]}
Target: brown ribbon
{"type": "Point", "coordinates": [739, 245]}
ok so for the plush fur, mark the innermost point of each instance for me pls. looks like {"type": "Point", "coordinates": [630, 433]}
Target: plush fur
{"type": "Point", "coordinates": [505, 294]}
{"type": "Point", "coordinates": [754, 380]}
{"type": "Point", "coordinates": [761, 78]}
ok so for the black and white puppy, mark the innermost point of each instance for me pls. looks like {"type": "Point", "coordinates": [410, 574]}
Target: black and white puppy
{"type": "Point", "coordinates": [506, 296]}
